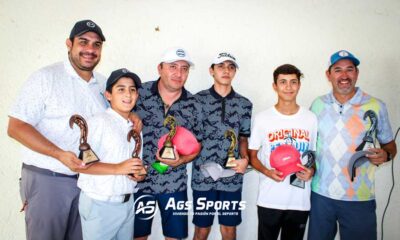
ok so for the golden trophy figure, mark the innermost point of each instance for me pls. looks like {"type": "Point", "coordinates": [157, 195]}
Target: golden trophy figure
{"type": "Point", "coordinates": [167, 150]}
{"type": "Point", "coordinates": [86, 154]}
{"type": "Point", "coordinates": [231, 160]}
{"type": "Point", "coordinates": [136, 151]}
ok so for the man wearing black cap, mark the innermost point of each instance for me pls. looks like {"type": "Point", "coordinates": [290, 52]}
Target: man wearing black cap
{"type": "Point", "coordinates": [39, 120]}
{"type": "Point", "coordinates": [346, 116]}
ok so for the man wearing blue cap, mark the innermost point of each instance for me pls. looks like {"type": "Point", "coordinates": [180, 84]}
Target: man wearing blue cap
{"type": "Point", "coordinates": [348, 118]}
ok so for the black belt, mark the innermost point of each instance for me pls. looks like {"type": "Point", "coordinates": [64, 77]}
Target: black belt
{"type": "Point", "coordinates": [47, 172]}
{"type": "Point", "coordinates": [126, 197]}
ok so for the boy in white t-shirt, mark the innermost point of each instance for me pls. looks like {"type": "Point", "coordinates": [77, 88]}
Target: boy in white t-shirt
{"type": "Point", "coordinates": [281, 205]}
{"type": "Point", "coordinates": [106, 201]}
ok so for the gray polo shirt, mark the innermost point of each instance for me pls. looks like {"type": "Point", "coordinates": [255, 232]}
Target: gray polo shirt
{"type": "Point", "coordinates": [220, 114]}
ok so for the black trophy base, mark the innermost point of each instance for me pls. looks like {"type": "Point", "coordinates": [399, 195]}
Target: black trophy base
{"type": "Point", "coordinates": [294, 181]}
{"type": "Point", "coordinates": [167, 153]}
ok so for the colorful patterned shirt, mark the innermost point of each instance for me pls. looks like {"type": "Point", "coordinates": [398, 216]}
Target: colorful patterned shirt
{"type": "Point", "coordinates": [341, 128]}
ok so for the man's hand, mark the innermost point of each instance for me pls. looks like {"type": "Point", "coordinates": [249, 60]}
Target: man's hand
{"type": "Point", "coordinates": [306, 174]}
{"type": "Point", "coordinates": [274, 175]}
{"type": "Point", "coordinates": [378, 157]}
{"type": "Point", "coordinates": [241, 165]}
{"type": "Point", "coordinates": [172, 163]}
{"type": "Point", "coordinates": [70, 160]}
{"type": "Point", "coordinates": [137, 122]}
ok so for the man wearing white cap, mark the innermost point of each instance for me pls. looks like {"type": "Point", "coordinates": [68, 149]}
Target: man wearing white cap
{"type": "Point", "coordinates": [345, 117]}
{"type": "Point", "coordinates": [224, 109]}
{"type": "Point", "coordinates": [159, 99]}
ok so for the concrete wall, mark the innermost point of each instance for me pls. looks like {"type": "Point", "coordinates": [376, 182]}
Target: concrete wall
{"type": "Point", "coordinates": [261, 33]}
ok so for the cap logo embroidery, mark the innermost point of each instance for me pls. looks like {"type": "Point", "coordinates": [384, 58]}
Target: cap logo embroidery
{"type": "Point", "coordinates": [124, 70]}
{"type": "Point", "coordinates": [343, 54]}
{"type": "Point", "coordinates": [180, 53]}
{"type": "Point", "coordinates": [90, 24]}
{"type": "Point", "coordinates": [226, 55]}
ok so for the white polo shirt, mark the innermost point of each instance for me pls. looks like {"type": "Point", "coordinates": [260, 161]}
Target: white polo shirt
{"type": "Point", "coordinates": [48, 99]}
{"type": "Point", "coordinates": [107, 137]}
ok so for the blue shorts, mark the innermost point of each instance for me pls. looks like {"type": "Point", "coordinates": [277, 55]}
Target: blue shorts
{"type": "Point", "coordinates": [206, 204]}
{"type": "Point", "coordinates": [357, 219]}
{"type": "Point", "coordinates": [174, 221]}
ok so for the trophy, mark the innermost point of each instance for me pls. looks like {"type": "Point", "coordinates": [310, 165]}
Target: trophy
{"type": "Point", "coordinates": [231, 161]}
{"type": "Point", "coordinates": [86, 154]}
{"type": "Point", "coordinates": [136, 150]}
{"type": "Point", "coordinates": [368, 139]}
{"type": "Point", "coordinates": [294, 181]}
{"type": "Point", "coordinates": [167, 150]}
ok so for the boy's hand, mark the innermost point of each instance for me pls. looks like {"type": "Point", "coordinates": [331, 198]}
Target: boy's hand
{"type": "Point", "coordinates": [241, 165]}
{"type": "Point", "coordinates": [306, 174]}
{"type": "Point", "coordinates": [136, 178]}
{"type": "Point", "coordinates": [274, 175]}
{"type": "Point", "coordinates": [172, 163]}
{"type": "Point", "coordinates": [129, 166]}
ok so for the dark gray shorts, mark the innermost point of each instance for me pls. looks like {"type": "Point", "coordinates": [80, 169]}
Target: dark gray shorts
{"type": "Point", "coordinates": [52, 205]}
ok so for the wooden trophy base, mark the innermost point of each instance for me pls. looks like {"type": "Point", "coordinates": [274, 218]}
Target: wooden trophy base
{"type": "Point", "coordinates": [167, 153]}
{"type": "Point", "coordinates": [230, 162]}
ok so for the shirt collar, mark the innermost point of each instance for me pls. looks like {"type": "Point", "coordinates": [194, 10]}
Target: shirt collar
{"type": "Point", "coordinates": [355, 100]}
{"type": "Point", "coordinates": [154, 91]}
{"type": "Point", "coordinates": [214, 93]}
{"type": "Point", "coordinates": [118, 117]}
{"type": "Point", "coordinates": [71, 71]}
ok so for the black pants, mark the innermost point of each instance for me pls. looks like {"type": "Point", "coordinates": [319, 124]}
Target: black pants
{"type": "Point", "coordinates": [271, 221]}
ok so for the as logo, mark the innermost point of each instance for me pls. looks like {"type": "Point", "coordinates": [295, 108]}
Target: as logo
{"type": "Point", "coordinates": [145, 207]}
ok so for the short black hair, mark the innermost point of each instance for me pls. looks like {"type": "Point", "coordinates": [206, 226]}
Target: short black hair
{"type": "Point", "coordinates": [287, 69]}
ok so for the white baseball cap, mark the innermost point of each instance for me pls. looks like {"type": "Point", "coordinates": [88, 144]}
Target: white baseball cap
{"type": "Point", "coordinates": [225, 56]}
{"type": "Point", "coordinates": [176, 54]}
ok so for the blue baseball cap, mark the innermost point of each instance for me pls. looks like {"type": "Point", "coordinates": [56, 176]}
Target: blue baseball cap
{"type": "Point", "coordinates": [343, 54]}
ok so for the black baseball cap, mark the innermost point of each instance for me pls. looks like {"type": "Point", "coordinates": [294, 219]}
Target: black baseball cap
{"type": "Point", "coordinates": [123, 72]}
{"type": "Point", "coordinates": [85, 26]}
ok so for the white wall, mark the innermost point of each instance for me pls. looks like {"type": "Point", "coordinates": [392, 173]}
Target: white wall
{"type": "Point", "coordinates": [262, 34]}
